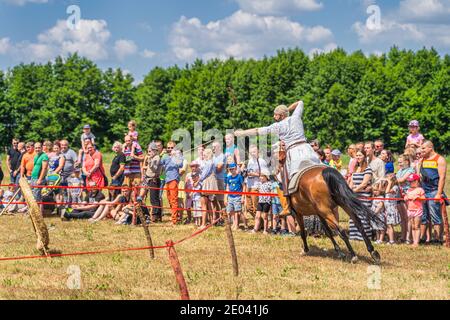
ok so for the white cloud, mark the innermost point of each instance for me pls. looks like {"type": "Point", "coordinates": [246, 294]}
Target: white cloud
{"type": "Point", "coordinates": [327, 48]}
{"type": "Point", "coordinates": [148, 54]}
{"type": "Point", "coordinates": [389, 31]}
{"type": "Point", "coordinates": [23, 2]}
{"type": "Point", "coordinates": [423, 10]}
{"type": "Point", "coordinates": [124, 48]}
{"type": "Point", "coordinates": [89, 40]}
{"type": "Point", "coordinates": [5, 45]}
{"type": "Point", "coordinates": [242, 35]}
{"type": "Point", "coordinates": [417, 22]}
{"type": "Point", "coordinates": [277, 7]}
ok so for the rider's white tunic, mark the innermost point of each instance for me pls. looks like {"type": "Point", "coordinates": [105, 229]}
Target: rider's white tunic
{"type": "Point", "coordinates": [291, 131]}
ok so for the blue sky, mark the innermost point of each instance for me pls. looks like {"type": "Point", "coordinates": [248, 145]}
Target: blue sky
{"type": "Point", "coordinates": [137, 35]}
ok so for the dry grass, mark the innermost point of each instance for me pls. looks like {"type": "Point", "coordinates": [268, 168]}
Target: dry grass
{"type": "Point", "coordinates": [270, 267]}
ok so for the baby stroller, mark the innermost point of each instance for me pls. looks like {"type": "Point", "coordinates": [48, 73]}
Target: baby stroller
{"type": "Point", "coordinates": [49, 194]}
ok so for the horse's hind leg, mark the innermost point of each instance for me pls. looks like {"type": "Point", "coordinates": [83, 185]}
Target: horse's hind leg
{"type": "Point", "coordinates": [301, 223]}
{"type": "Point", "coordinates": [344, 237]}
{"type": "Point", "coordinates": [329, 233]}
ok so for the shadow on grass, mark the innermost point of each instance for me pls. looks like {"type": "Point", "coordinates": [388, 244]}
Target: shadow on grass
{"type": "Point", "coordinates": [315, 251]}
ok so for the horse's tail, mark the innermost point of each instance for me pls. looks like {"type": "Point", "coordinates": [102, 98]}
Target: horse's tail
{"type": "Point", "coordinates": [344, 197]}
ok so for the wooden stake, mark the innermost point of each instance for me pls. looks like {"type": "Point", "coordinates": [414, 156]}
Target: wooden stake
{"type": "Point", "coordinates": [445, 218]}
{"type": "Point", "coordinates": [141, 216]}
{"type": "Point", "coordinates": [230, 238]}
{"type": "Point", "coordinates": [177, 270]}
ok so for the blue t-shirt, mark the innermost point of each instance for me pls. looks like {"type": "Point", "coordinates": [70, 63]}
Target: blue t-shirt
{"type": "Point", "coordinates": [172, 168]}
{"type": "Point", "coordinates": [235, 184]}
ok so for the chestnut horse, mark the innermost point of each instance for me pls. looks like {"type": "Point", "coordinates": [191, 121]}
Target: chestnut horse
{"type": "Point", "coordinates": [322, 190]}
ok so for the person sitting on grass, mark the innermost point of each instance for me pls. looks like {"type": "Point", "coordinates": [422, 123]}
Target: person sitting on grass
{"type": "Point", "coordinates": [87, 209]}
{"type": "Point", "coordinates": [112, 209]}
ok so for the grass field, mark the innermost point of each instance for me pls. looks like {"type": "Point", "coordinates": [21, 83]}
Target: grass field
{"type": "Point", "coordinates": [270, 267]}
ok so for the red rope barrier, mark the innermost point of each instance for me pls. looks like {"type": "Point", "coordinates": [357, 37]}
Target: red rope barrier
{"type": "Point", "coordinates": [212, 192]}
{"type": "Point", "coordinates": [61, 255]}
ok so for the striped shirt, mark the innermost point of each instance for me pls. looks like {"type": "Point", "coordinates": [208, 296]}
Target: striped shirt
{"type": "Point", "coordinates": [132, 166]}
{"type": "Point", "coordinates": [354, 234]}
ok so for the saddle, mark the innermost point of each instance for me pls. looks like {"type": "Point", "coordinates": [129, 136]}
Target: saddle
{"type": "Point", "coordinates": [305, 166]}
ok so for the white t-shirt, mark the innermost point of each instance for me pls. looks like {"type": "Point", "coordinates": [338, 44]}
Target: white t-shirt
{"type": "Point", "coordinates": [378, 169]}
{"type": "Point", "coordinates": [253, 167]}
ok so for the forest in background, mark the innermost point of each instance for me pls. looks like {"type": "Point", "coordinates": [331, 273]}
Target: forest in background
{"type": "Point", "coordinates": [348, 97]}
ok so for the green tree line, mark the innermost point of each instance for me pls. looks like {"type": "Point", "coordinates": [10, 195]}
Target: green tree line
{"type": "Point", "coordinates": [348, 97]}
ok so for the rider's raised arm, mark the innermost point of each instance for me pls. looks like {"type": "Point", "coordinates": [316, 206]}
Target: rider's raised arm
{"type": "Point", "coordinates": [298, 110]}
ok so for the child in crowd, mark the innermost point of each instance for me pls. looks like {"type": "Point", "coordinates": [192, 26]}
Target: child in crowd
{"type": "Point", "coordinates": [189, 185]}
{"type": "Point", "coordinates": [336, 161]}
{"type": "Point", "coordinates": [87, 134]}
{"type": "Point", "coordinates": [133, 134]}
{"type": "Point", "coordinates": [414, 207]}
{"type": "Point", "coordinates": [2, 192]}
{"type": "Point", "coordinates": [391, 206]}
{"type": "Point", "coordinates": [7, 197]}
{"type": "Point", "coordinates": [235, 183]}
{"type": "Point", "coordinates": [196, 198]}
{"type": "Point", "coordinates": [378, 208]}
{"type": "Point", "coordinates": [276, 209]}
{"type": "Point", "coordinates": [415, 139]}
{"type": "Point", "coordinates": [264, 203]}
{"type": "Point", "coordinates": [74, 181]}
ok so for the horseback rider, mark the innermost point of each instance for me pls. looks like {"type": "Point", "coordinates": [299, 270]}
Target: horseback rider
{"type": "Point", "coordinates": [292, 136]}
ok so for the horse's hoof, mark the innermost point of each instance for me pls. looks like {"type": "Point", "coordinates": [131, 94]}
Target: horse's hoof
{"type": "Point", "coordinates": [304, 253]}
{"type": "Point", "coordinates": [376, 257]}
{"type": "Point", "coordinates": [354, 260]}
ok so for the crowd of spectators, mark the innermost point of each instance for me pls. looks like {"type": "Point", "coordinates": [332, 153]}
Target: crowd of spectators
{"type": "Point", "coordinates": [138, 176]}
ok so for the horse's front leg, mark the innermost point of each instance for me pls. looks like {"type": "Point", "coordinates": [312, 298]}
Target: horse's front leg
{"type": "Point", "coordinates": [301, 223]}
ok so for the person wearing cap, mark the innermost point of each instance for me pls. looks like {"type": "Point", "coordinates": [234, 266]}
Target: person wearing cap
{"type": "Point", "coordinates": [433, 170]}
{"type": "Point", "coordinates": [415, 139]}
{"type": "Point", "coordinates": [291, 131]}
{"type": "Point", "coordinates": [264, 202]}
{"type": "Point", "coordinates": [336, 161]}
{"type": "Point", "coordinates": [87, 134]}
{"type": "Point", "coordinates": [235, 183]}
{"type": "Point", "coordinates": [151, 171]}
{"type": "Point", "coordinates": [414, 208]}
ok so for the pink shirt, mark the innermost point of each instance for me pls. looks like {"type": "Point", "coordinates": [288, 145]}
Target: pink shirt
{"type": "Point", "coordinates": [96, 176]}
{"type": "Point", "coordinates": [415, 139]}
{"type": "Point", "coordinates": [412, 197]}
